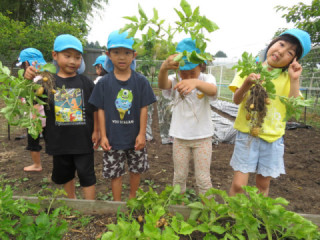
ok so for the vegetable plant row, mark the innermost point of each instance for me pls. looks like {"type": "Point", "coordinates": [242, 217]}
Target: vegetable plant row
{"type": "Point", "coordinates": [244, 216]}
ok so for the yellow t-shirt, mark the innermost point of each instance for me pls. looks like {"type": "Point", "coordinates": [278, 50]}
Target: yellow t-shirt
{"type": "Point", "coordinates": [273, 126]}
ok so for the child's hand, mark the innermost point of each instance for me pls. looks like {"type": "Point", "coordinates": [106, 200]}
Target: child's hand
{"type": "Point", "coordinates": [251, 79]}
{"type": "Point", "coordinates": [186, 86]}
{"type": "Point", "coordinates": [294, 70]}
{"type": "Point", "coordinates": [140, 142]}
{"type": "Point", "coordinates": [105, 144]}
{"type": "Point", "coordinates": [169, 63]}
{"type": "Point", "coordinates": [96, 139]}
{"type": "Point", "coordinates": [30, 73]}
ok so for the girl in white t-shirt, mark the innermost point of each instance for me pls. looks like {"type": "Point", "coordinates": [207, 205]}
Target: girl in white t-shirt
{"type": "Point", "coordinates": [191, 124]}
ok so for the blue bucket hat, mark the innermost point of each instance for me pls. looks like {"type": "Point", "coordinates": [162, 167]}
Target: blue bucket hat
{"type": "Point", "coordinates": [188, 45]}
{"type": "Point", "coordinates": [117, 40]}
{"type": "Point", "coordinates": [100, 60]}
{"type": "Point", "coordinates": [66, 41]}
{"type": "Point", "coordinates": [31, 55]}
{"type": "Point", "coordinates": [303, 37]}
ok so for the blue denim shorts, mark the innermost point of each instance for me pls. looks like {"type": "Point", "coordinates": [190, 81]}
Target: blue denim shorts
{"type": "Point", "coordinates": [253, 154]}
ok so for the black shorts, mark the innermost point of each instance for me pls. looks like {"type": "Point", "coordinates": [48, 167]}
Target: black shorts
{"type": "Point", "coordinates": [65, 167]}
{"type": "Point", "coordinates": [34, 144]}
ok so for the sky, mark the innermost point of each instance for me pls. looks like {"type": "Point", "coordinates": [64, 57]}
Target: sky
{"type": "Point", "coordinates": [244, 25]}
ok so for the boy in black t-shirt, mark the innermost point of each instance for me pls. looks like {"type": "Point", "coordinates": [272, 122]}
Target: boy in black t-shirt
{"type": "Point", "coordinates": [122, 97]}
{"type": "Point", "coordinates": [71, 128]}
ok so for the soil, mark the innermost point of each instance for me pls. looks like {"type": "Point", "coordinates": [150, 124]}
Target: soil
{"type": "Point", "coordinates": [300, 185]}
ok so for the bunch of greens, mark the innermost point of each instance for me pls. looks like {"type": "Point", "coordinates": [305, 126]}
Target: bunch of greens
{"type": "Point", "coordinates": [19, 96]}
{"type": "Point", "coordinates": [248, 65]}
{"type": "Point", "coordinates": [154, 31]}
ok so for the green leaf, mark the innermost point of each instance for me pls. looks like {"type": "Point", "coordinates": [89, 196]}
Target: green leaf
{"type": "Point", "coordinates": [142, 13]}
{"type": "Point", "coordinates": [186, 8]}
{"type": "Point", "coordinates": [133, 18]}
{"type": "Point", "coordinates": [208, 24]}
{"type": "Point", "coordinates": [49, 68]}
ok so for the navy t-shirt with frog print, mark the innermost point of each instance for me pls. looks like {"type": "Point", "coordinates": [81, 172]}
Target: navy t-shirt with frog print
{"type": "Point", "coordinates": [122, 102]}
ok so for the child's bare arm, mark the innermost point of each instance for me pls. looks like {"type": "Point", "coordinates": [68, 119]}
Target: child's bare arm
{"type": "Point", "coordinates": [294, 72]}
{"type": "Point", "coordinates": [242, 91]}
{"type": "Point", "coordinates": [169, 63]}
{"type": "Point", "coordinates": [187, 86]}
{"type": "Point", "coordinates": [95, 134]}
{"type": "Point", "coordinates": [141, 138]}
{"type": "Point", "coordinates": [104, 143]}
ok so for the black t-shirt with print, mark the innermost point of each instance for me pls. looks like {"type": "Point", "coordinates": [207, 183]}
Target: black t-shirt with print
{"type": "Point", "coordinates": [122, 102]}
{"type": "Point", "coordinates": [69, 123]}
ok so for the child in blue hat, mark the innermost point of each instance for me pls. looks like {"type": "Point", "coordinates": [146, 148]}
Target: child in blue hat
{"type": "Point", "coordinates": [33, 57]}
{"type": "Point", "coordinates": [122, 97]}
{"type": "Point", "coordinates": [191, 125]}
{"type": "Point", "coordinates": [263, 154]}
{"type": "Point", "coordinates": [71, 131]}
{"type": "Point", "coordinates": [99, 66]}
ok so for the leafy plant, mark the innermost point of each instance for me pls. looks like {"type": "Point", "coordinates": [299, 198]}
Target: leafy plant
{"type": "Point", "coordinates": [153, 30]}
{"type": "Point", "coordinates": [244, 216]}
{"type": "Point", "coordinates": [262, 90]}
{"type": "Point", "coordinates": [20, 219]}
{"type": "Point", "coordinates": [20, 94]}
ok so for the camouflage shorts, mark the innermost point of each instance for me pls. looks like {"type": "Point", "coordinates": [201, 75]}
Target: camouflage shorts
{"type": "Point", "coordinates": [114, 162]}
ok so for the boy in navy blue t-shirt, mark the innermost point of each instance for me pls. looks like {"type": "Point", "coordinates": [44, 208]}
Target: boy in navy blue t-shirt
{"type": "Point", "coordinates": [122, 97]}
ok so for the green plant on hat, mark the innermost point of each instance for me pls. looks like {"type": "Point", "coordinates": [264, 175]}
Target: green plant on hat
{"type": "Point", "coordinates": [190, 23]}
{"type": "Point", "coordinates": [20, 94]}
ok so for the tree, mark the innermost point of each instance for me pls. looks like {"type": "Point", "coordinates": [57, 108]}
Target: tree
{"type": "Point", "coordinates": [38, 12]}
{"type": "Point", "coordinates": [306, 17]}
{"type": "Point", "coordinates": [220, 54]}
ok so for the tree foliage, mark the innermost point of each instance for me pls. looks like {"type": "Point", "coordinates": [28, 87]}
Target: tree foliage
{"type": "Point", "coordinates": [36, 23]}
{"type": "Point", "coordinates": [306, 17]}
{"type": "Point", "coordinates": [220, 54]}
{"type": "Point", "coordinates": [38, 12]}
{"type": "Point", "coordinates": [16, 35]}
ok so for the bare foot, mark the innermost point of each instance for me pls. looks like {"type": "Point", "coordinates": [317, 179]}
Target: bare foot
{"type": "Point", "coordinates": [32, 168]}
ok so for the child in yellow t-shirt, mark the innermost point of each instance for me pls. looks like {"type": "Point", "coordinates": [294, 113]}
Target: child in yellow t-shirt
{"type": "Point", "coordinates": [263, 155]}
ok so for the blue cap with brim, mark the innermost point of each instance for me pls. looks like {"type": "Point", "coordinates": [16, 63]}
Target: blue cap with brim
{"type": "Point", "coordinates": [31, 55]}
{"type": "Point", "coordinates": [303, 37]}
{"type": "Point", "coordinates": [100, 60]}
{"type": "Point", "coordinates": [67, 41]}
{"type": "Point", "coordinates": [118, 40]}
{"type": "Point", "coordinates": [188, 45]}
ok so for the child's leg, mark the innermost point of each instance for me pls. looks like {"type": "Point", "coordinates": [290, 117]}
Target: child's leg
{"type": "Point", "coordinates": [137, 164]}
{"type": "Point", "coordinates": [85, 168]}
{"type": "Point", "coordinates": [116, 186]}
{"type": "Point", "coordinates": [114, 168]}
{"type": "Point", "coordinates": [239, 179]}
{"type": "Point", "coordinates": [263, 184]}
{"type": "Point", "coordinates": [89, 192]}
{"type": "Point", "coordinates": [35, 148]}
{"type": "Point", "coordinates": [134, 184]}
{"type": "Point", "coordinates": [181, 154]}
{"type": "Point", "coordinates": [70, 189]}
{"type": "Point", "coordinates": [202, 152]}
{"type": "Point", "coordinates": [36, 166]}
